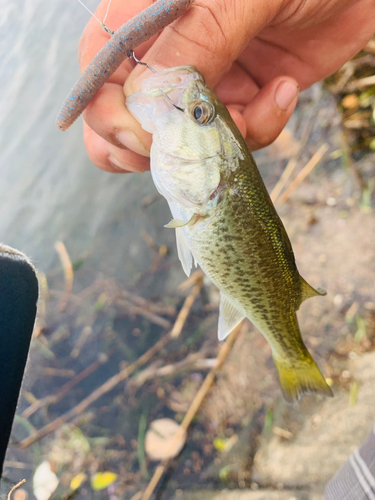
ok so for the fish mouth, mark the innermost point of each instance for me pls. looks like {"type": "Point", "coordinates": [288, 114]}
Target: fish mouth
{"type": "Point", "coordinates": [170, 80]}
{"type": "Point", "coordinates": [169, 86]}
{"type": "Point", "coordinates": [161, 93]}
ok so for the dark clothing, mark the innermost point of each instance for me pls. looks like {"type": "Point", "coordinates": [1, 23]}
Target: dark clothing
{"type": "Point", "coordinates": [18, 300]}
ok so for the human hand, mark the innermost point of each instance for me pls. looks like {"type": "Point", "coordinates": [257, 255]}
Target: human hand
{"type": "Point", "coordinates": [255, 54]}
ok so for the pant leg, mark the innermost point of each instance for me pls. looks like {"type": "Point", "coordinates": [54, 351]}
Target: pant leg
{"type": "Point", "coordinates": [356, 478]}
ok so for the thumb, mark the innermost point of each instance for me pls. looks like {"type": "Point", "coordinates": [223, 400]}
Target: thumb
{"type": "Point", "coordinates": [210, 35]}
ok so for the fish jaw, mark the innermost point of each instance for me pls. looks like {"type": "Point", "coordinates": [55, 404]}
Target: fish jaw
{"type": "Point", "coordinates": [149, 103]}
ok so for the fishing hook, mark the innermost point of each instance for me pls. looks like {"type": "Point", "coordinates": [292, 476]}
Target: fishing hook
{"type": "Point", "coordinates": [131, 55]}
{"type": "Point", "coordinates": [107, 30]}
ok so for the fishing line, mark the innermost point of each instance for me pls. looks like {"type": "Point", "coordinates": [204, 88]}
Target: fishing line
{"type": "Point", "coordinates": [131, 55]}
{"type": "Point", "coordinates": [102, 23]}
{"type": "Point", "coordinates": [106, 14]}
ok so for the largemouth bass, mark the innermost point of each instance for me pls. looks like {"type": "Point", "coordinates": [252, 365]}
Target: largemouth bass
{"type": "Point", "coordinates": [224, 218]}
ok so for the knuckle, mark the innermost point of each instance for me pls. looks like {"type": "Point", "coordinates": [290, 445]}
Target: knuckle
{"type": "Point", "coordinates": [210, 29]}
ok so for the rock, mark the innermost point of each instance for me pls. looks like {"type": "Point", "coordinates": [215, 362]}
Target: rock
{"type": "Point", "coordinates": [325, 440]}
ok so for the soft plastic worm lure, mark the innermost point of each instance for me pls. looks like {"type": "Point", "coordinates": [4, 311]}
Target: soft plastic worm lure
{"type": "Point", "coordinates": [131, 34]}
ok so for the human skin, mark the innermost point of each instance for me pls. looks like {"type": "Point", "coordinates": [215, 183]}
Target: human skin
{"type": "Point", "coordinates": [255, 54]}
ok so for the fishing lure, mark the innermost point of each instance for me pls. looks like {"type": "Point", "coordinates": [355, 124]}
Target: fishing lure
{"type": "Point", "coordinates": [131, 34]}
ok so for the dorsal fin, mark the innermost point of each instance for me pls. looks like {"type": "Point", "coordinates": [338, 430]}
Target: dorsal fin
{"type": "Point", "coordinates": [308, 291]}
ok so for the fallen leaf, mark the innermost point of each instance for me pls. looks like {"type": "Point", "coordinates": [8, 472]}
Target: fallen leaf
{"type": "Point", "coordinates": [102, 480]}
{"type": "Point", "coordinates": [77, 480]}
{"type": "Point", "coordinates": [159, 438]}
{"type": "Point", "coordinates": [45, 481]}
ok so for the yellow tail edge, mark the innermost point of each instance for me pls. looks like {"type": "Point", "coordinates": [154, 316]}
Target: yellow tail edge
{"type": "Point", "coordinates": [302, 378]}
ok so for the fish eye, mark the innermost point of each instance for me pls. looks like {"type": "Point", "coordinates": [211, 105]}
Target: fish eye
{"type": "Point", "coordinates": [202, 112]}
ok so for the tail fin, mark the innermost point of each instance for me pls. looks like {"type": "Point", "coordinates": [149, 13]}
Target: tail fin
{"type": "Point", "coordinates": [301, 378]}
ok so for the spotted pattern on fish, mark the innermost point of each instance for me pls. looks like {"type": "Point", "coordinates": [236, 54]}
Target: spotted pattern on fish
{"type": "Point", "coordinates": [210, 179]}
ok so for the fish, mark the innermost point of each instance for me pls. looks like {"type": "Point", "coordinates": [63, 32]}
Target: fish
{"type": "Point", "coordinates": [225, 220]}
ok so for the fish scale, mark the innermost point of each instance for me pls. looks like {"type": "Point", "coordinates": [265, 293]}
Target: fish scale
{"type": "Point", "coordinates": [225, 219]}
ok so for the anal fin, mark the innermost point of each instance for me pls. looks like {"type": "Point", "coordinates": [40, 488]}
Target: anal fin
{"type": "Point", "coordinates": [229, 316]}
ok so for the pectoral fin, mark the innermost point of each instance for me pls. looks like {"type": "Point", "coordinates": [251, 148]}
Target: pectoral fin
{"type": "Point", "coordinates": [308, 291]}
{"type": "Point", "coordinates": [229, 316]}
{"type": "Point", "coordinates": [181, 223]}
{"type": "Point", "coordinates": [176, 223]}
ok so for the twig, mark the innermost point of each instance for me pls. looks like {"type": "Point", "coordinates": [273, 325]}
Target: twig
{"type": "Point", "coordinates": [57, 396]}
{"type": "Point", "coordinates": [195, 361]}
{"type": "Point", "coordinates": [158, 252]}
{"type": "Point", "coordinates": [81, 341]}
{"type": "Point", "coordinates": [191, 280]}
{"type": "Point", "coordinates": [348, 71]}
{"type": "Point", "coordinates": [304, 173]}
{"type": "Point", "coordinates": [182, 317]}
{"type": "Point", "coordinates": [140, 301]}
{"type": "Point", "coordinates": [292, 162]}
{"type": "Point", "coordinates": [68, 272]}
{"type": "Point", "coordinates": [86, 292]}
{"type": "Point", "coordinates": [14, 488]}
{"type": "Point", "coordinates": [152, 317]}
{"type": "Point", "coordinates": [17, 465]}
{"type": "Point", "coordinates": [58, 372]}
{"type": "Point", "coordinates": [370, 47]}
{"type": "Point", "coordinates": [119, 377]}
{"type": "Point", "coordinates": [148, 200]}
{"type": "Point", "coordinates": [131, 34]}
{"type": "Point", "coordinates": [363, 82]}
{"type": "Point", "coordinates": [149, 240]}
{"type": "Point", "coordinates": [194, 407]}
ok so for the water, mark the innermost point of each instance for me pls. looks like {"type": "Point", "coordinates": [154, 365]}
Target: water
{"type": "Point", "coordinates": [49, 190]}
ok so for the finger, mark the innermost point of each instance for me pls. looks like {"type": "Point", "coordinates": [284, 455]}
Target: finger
{"type": "Point", "coordinates": [236, 87]}
{"type": "Point", "coordinates": [110, 158]}
{"type": "Point", "coordinates": [269, 111]}
{"type": "Point", "coordinates": [108, 116]}
{"type": "Point", "coordinates": [210, 35]}
{"type": "Point", "coordinates": [236, 90]}
{"type": "Point", "coordinates": [237, 116]}
{"type": "Point", "coordinates": [328, 34]}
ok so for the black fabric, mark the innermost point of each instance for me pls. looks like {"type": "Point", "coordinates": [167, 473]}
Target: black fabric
{"type": "Point", "coordinates": [18, 301]}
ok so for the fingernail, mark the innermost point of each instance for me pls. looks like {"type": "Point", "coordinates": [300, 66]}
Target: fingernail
{"type": "Point", "coordinates": [285, 94]}
{"type": "Point", "coordinates": [131, 141]}
{"type": "Point", "coordinates": [118, 164]}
